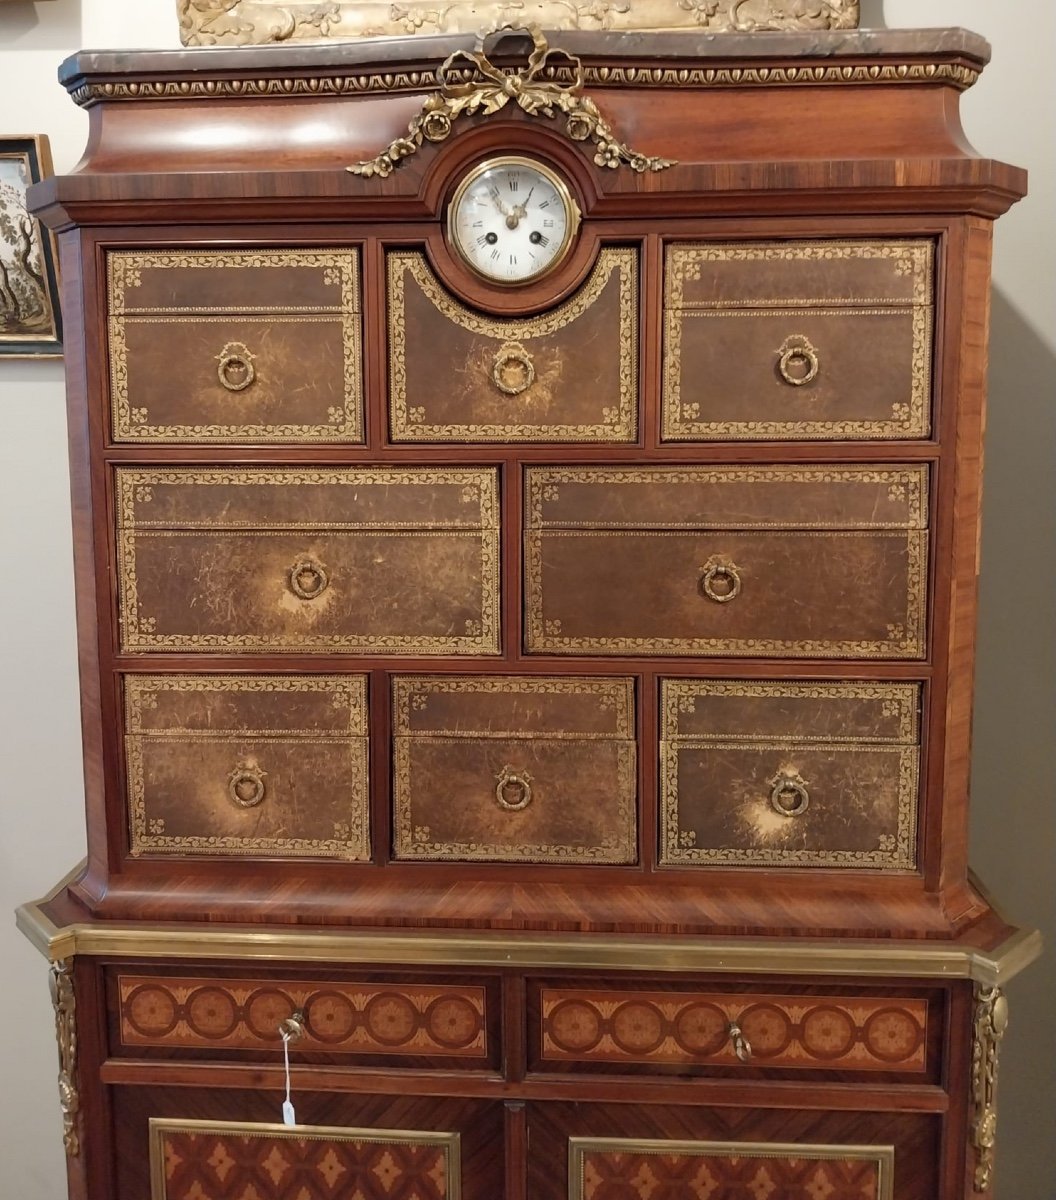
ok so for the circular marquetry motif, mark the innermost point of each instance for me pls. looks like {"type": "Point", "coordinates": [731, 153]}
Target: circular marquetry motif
{"type": "Point", "coordinates": [892, 1035]}
{"type": "Point", "coordinates": [265, 1012]}
{"type": "Point", "coordinates": [701, 1029]}
{"type": "Point", "coordinates": [637, 1027]}
{"type": "Point", "coordinates": [330, 1017]}
{"type": "Point", "coordinates": [151, 1011]}
{"type": "Point", "coordinates": [452, 1022]}
{"type": "Point", "coordinates": [391, 1019]}
{"type": "Point", "coordinates": [828, 1033]}
{"type": "Point", "coordinates": [767, 1029]}
{"type": "Point", "coordinates": [211, 1013]}
{"type": "Point", "coordinates": [574, 1026]}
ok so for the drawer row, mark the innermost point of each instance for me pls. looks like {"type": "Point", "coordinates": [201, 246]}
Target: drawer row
{"type": "Point", "coordinates": [371, 1020]}
{"type": "Point", "coordinates": [527, 769]}
{"type": "Point", "coordinates": [767, 561]}
{"type": "Point", "coordinates": [762, 341]}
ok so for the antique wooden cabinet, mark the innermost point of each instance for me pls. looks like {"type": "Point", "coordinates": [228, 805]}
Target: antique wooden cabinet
{"type": "Point", "coordinates": [526, 526]}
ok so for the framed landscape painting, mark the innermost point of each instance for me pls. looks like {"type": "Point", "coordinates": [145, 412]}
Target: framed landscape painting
{"type": "Point", "coordinates": [30, 322]}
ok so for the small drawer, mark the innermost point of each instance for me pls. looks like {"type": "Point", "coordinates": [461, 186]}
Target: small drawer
{"type": "Point", "coordinates": [639, 1032]}
{"type": "Point", "coordinates": [511, 769]}
{"type": "Point", "coordinates": [266, 765]}
{"type": "Point", "coordinates": [273, 1162]}
{"type": "Point", "coordinates": [798, 340]}
{"type": "Point", "coordinates": [368, 1022]}
{"type": "Point", "coordinates": [567, 375]}
{"type": "Point", "coordinates": [783, 562]}
{"type": "Point", "coordinates": [763, 774]}
{"type": "Point", "coordinates": [212, 346]}
{"type": "Point", "coordinates": [361, 559]}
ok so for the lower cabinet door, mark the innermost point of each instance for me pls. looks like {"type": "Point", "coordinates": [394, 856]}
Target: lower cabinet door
{"type": "Point", "coordinates": [639, 1152]}
{"type": "Point", "coordinates": [189, 1144]}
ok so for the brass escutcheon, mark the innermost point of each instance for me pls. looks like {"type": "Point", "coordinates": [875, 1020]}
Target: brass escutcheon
{"type": "Point", "coordinates": [245, 785]}
{"type": "Point", "coordinates": [742, 1047]}
{"type": "Point", "coordinates": [292, 1028]}
{"type": "Point", "coordinates": [511, 779]}
{"type": "Point", "coordinates": [512, 369]}
{"type": "Point", "coordinates": [236, 371]}
{"type": "Point", "coordinates": [724, 572]}
{"type": "Point", "coordinates": [788, 794]}
{"type": "Point", "coordinates": [308, 579]}
{"type": "Point", "coordinates": [798, 362]}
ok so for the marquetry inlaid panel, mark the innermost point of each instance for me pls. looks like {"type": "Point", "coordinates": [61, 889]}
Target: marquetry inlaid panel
{"type": "Point", "coordinates": [769, 774]}
{"type": "Point", "coordinates": [824, 340]}
{"type": "Point", "coordinates": [368, 559]}
{"type": "Point", "coordinates": [515, 769]}
{"type": "Point", "coordinates": [211, 346]}
{"type": "Point", "coordinates": [569, 374]}
{"type": "Point", "coordinates": [226, 1160]}
{"type": "Point", "coordinates": [781, 561]}
{"type": "Point", "coordinates": [632, 1169]}
{"type": "Point", "coordinates": [189, 1013]}
{"type": "Point", "coordinates": [269, 765]}
{"type": "Point", "coordinates": [656, 1029]}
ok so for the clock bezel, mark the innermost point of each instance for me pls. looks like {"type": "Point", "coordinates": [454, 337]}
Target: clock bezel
{"type": "Point", "coordinates": [559, 184]}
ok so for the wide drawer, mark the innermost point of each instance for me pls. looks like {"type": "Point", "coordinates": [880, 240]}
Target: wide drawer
{"type": "Point", "coordinates": [567, 375]}
{"type": "Point", "coordinates": [368, 1021]}
{"type": "Point", "coordinates": [798, 340]}
{"type": "Point", "coordinates": [193, 1159]}
{"type": "Point", "coordinates": [229, 764]}
{"type": "Point", "coordinates": [780, 561]}
{"type": "Point", "coordinates": [637, 1030]}
{"type": "Point", "coordinates": [767, 774]}
{"type": "Point", "coordinates": [212, 346]}
{"type": "Point", "coordinates": [512, 769]}
{"type": "Point", "coordinates": [359, 558]}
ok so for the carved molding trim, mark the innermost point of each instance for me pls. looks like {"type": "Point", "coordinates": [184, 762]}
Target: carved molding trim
{"type": "Point", "coordinates": [489, 89]}
{"type": "Point", "coordinates": [65, 1005]}
{"type": "Point", "coordinates": [258, 22]}
{"type": "Point", "coordinates": [991, 1021]}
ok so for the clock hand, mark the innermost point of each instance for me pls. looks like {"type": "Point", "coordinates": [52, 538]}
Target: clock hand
{"type": "Point", "coordinates": [520, 211]}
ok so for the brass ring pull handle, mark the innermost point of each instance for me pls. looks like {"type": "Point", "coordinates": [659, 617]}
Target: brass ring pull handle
{"type": "Point", "coordinates": [788, 794]}
{"type": "Point", "coordinates": [236, 371]}
{"type": "Point", "coordinates": [308, 579]}
{"type": "Point", "coordinates": [245, 785]}
{"type": "Point", "coordinates": [517, 782]}
{"type": "Point", "coordinates": [292, 1028]}
{"type": "Point", "coordinates": [798, 362]}
{"type": "Point", "coordinates": [721, 581]}
{"type": "Point", "coordinates": [742, 1047]}
{"type": "Point", "coordinates": [512, 369]}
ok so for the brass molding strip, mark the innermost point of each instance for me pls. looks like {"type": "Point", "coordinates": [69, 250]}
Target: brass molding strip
{"type": "Point", "coordinates": [531, 950]}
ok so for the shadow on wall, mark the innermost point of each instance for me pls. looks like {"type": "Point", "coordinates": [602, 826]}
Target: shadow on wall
{"type": "Point", "coordinates": [873, 15]}
{"type": "Point", "coordinates": [55, 26]}
{"type": "Point", "coordinates": [1013, 815]}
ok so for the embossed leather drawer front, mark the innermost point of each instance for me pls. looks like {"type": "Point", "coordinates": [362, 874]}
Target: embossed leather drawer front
{"type": "Point", "coordinates": [363, 559]}
{"type": "Point", "coordinates": [235, 346]}
{"type": "Point", "coordinates": [511, 769]}
{"type": "Point", "coordinates": [611, 1029]}
{"type": "Point", "coordinates": [567, 375]}
{"type": "Point", "coordinates": [247, 765]}
{"type": "Point", "coordinates": [798, 340]}
{"type": "Point", "coordinates": [368, 1021]}
{"type": "Point", "coordinates": [804, 562]}
{"type": "Point", "coordinates": [763, 774]}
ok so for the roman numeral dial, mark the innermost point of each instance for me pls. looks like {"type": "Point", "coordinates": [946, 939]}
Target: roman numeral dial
{"type": "Point", "coordinates": [512, 219]}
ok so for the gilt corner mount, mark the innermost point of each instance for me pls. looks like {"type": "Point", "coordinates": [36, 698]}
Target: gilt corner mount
{"type": "Point", "coordinates": [256, 22]}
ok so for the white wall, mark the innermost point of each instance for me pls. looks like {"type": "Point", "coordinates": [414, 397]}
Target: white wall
{"type": "Point", "coordinates": [1008, 115]}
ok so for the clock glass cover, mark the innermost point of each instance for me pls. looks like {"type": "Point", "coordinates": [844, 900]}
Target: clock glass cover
{"type": "Point", "coordinates": [512, 219]}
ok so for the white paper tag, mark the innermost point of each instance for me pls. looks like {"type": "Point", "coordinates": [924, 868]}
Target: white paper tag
{"type": "Point", "coordinates": [289, 1117]}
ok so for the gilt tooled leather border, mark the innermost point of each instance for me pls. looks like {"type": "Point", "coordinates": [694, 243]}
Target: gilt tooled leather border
{"type": "Point", "coordinates": [408, 422]}
{"type": "Point", "coordinates": [131, 421]}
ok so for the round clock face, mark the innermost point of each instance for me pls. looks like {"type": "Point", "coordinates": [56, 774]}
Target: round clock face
{"type": "Point", "coordinates": [512, 220]}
